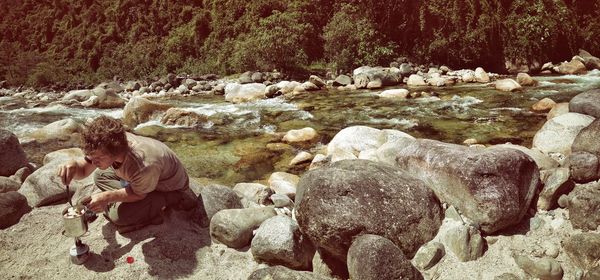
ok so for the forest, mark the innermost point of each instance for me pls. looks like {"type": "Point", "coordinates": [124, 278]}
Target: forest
{"type": "Point", "coordinates": [62, 43]}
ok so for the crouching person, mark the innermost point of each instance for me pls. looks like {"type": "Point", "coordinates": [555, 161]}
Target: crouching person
{"type": "Point", "coordinates": [139, 177]}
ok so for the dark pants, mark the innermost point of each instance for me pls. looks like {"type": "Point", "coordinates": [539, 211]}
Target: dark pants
{"type": "Point", "coordinates": [145, 210]}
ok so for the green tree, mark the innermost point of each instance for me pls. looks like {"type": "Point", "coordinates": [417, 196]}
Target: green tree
{"type": "Point", "coordinates": [351, 40]}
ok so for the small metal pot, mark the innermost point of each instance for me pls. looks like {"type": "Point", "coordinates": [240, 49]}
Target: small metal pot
{"type": "Point", "coordinates": [75, 225]}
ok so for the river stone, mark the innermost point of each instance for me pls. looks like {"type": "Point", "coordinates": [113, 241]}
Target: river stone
{"type": "Point", "coordinates": [217, 197]}
{"type": "Point", "coordinates": [525, 80]}
{"type": "Point", "coordinates": [415, 80]}
{"type": "Point", "coordinates": [22, 174]}
{"type": "Point", "coordinates": [590, 61]}
{"type": "Point", "coordinates": [307, 134]}
{"type": "Point", "coordinates": [140, 110]}
{"type": "Point", "coordinates": [278, 241]}
{"type": "Point", "coordinates": [284, 183]}
{"type": "Point", "coordinates": [481, 76]}
{"type": "Point", "coordinates": [556, 183]}
{"type": "Point", "coordinates": [557, 110]}
{"type": "Point", "coordinates": [317, 81]}
{"type": "Point", "coordinates": [13, 206]}
{"type": "Point", "coordinates": [8, 185]}
{"type": "Point", "coordinates": [464, 241]}
{"type": "Point", "coordinates": [280, 200]}
{"type": "Point", "coordinates": [375, 84]}
{"type": "Point", "coordinates": [282, 272]}
{"type": "Point", "coordinates": [361, 80]}
{"type": "Point", "coordinates": [372, 257]}
{"type": "Point", "coordinates": [573, 67]}
{"type": "Point", "coordinates": [542, 160]}
{"type": "Point", "coordinates": [557, 134]}
{"type": "Point", "coordinates": [301, 157]}
{"type": "Point", "coordinates": [354, 197]}
{"type": "Point", "coordinates": [429, 255]}
{"type": "Point", "coordinates": [492, 186]}
{"type": "Point", "coordinates": [542, 268]}
{"type": "Point", "coordinates": [342, 80]}
{"type": "Point", "coordinates": [583, 249]}
{"type": "Point", "coordinates": [78, 95]}
{"type": "Point", "coordinates": [178, 116]}
{"type": "Point", "coordinates": [584, 167]}
{"type": "Point", "coordinates": [238, 93]}
{"type": "Point", "coordinates": [233, 227]}
{"type": "Point", "coordinates": [394, 93]}
{"type": "Point", "coordinates": [58, 130]}
{"type": "Point", "coordinates": [253, 193]}
{"type": "Point", "coordinates": [507, 85]}
{"type": "Point", "coordinates": [584, 206]}
{"type": "Point", "coordinates": [544, 105]}
{"type": "Point", "coordinates": [12, 157]}
{"type": "Point", "coordinates": [63, 155]}
{"type": "Point", "coordinates": [351, 141]}
{"type": "Point", "coordinates": [104, 99]}
{"type": "Point", "coordinates": [586, 103]}
{"type": "Point", "coordinates": [44, 186]}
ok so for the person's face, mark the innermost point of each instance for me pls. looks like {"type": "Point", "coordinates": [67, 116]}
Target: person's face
{"type": "Point", "coordinates": [101, 159]}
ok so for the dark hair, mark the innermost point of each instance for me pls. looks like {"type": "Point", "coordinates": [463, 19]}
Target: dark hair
{"type": "Point", "coordinates": [104, 133]}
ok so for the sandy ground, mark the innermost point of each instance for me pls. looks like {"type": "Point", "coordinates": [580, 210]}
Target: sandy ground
{"type": "Point", "coordinates": [36, 249]}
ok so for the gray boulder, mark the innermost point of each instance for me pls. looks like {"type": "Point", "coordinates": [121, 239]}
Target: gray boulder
{"type": "Point", "coordinates": [13, 206]}
{"type": "Point", "coordinates": [278, 241]}
{"type": "Point", "coordinates": [233, 227]}
{"type": "Point", "coordinates": [556, 183]}
{"type": "Point", "coordinates": [44, 187]}
{"type": "Point", "coordinates": [8, 185]}
{"type": "Point", "coordinates": [342, 80]}
{"type": "Point", "coordinates": [557, 134]}
{"type": "Point", "coordinates": [12, 157]}
{"type": "Point", "coordinates": [542, 268]}
{"type": "Point", "coordinates": [587, 103]}
{"type": "Point", "coordinates": [253, 193]}
{"type": "Point", "coordinates": [583, 249]}
{"type": "Point", "coordinates": [354, 197]}
{"type": "Point", "coordinates": [584, 206]}
{"type": "Point", "coordinates": [583, 167]}
{"type": "Point", "coordinates": [572, 67]}
{"type": "Point", "coordinates": [282, 272]}
{"type": "Point", "coordinates": [372, 257]}
{"type": "Point", "coordinates": [217, 197]}
{"type": "Point", "coordinates": [590, 61]}
{"type": "Point", "coordinates": [493, 186]}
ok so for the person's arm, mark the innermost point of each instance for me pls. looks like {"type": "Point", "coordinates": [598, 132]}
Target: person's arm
{"type": "Point", "coordinates": [101, 200]}
{"type": "Point", "coordinates": [75, 169]}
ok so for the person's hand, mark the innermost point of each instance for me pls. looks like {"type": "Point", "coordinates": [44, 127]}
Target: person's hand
{"type": "Point", "coordinates": [97, 203]}
{"type": "Point", "coordinates": [67, 171]}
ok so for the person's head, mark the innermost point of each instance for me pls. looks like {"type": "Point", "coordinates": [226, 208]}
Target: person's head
{"type": "Point", "coordinates": [103, 140]}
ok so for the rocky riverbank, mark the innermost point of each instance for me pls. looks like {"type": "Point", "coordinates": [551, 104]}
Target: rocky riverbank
{"type": "Point", "coordinates": [374, 204]}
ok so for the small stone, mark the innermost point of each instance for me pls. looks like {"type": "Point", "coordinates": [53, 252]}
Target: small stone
{"type": "Point", "coordinates": [429, 255]}
{"type": "Point", "coordinates": [544, 268]}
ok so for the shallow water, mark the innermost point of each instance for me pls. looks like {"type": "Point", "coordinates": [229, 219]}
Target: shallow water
{"type": "Point", "coordinates": [232, 146]}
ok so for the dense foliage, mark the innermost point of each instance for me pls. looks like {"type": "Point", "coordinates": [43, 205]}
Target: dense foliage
{"type": "Point", "coordinates": [62, 42]}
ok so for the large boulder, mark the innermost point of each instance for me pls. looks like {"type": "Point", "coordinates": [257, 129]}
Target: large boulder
{"type": "Point", "coordinates": [44, 186]}
{"type": "Point", "coordinates": [584, 206]}
{"type": "Point", "coordinates": [234, 227]}
{"type": "Point", "coordinates": [354, 197]}
{"type": "Point", "coordinates": [350, 142]}
{"type": "Point", "coordinates": [373, 257]}
{"type": "Point", "coordinates": [139, 110]}
{"type": "Point", "coordinates": [278, 241]}
{"type": "Point", "coordinates": [584, 161]}
{"type": "Point", "coordinates": [590, 61]}
{"type": "Point", "coordinates": [583, 249]}
{"type": "Point", "coordinates": [238, 93]}
{"type": "Point", "coordinates": [66, 129]}
{"type": "Point", "coordinates": [492, 186]}
{"type": "Point", "coordinates": [542, 160]}
{"type": "Point", "coordinates": [525, 80]}
{"type": "Point", "coordinates": [217, 197]}
{"type": "Point", "coordinates": [557, 134]}
{"type": "Point", "coordinates": [12, 157]}
{"type": "Point", "coordinates": [573, 67]}
{"type": "Point", "coordinates": [178, 116]}
{"type": "Point", "coordinates": [342, 80]}
{"type": "Point", "coordinates": [415, 80]}
{"type": "Point", "coordinates": [63, 155]}
{"type": "Point", "coordinates": [507, 85]}
{"type": "Point", "coordinates": [104, 99]}
{"type": "Point", "coordinates": [587, 103]}
{"type": "Point", "coordinates": [557, 110]}
{"type": "Point", "coordinates": [481, 76]}
{"type": "Point", "coordinates": [13, 206]}
{"type": "Point", "coordinates": [366, 74]}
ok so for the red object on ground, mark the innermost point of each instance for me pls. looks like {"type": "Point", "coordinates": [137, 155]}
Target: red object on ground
{"type": "Point", "coordinates": [130, 259]}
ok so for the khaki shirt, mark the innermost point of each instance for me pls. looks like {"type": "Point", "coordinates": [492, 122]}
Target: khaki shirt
{"type": "Point", "coordinates": [151, 166]}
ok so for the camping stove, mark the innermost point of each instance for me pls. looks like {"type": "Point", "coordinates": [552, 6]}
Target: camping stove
{"type": "Point", "coordinates": [75, 220]}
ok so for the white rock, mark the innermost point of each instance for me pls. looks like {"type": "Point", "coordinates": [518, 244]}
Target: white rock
{"type": "Point", "coordinates": [557, 134]}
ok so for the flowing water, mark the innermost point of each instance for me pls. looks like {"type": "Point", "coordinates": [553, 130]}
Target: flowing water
{"type": "Point", "coordinates": [239, 142]}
